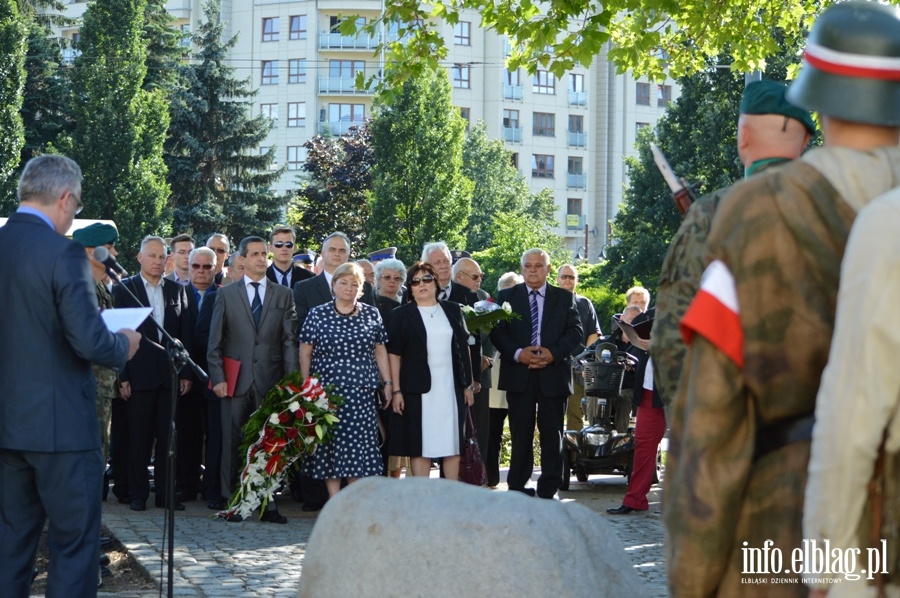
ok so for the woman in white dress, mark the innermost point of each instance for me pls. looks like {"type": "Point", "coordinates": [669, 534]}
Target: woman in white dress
{"type": "Point", "coordinates": [429, 358]}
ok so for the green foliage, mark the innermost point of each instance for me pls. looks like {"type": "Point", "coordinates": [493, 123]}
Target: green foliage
{"type": "Point", "coordinates": [334, 193]}
{"type": "Point", "coordinates": [219, 183]}
{"type": "Point", "coordinates": [606, 301]}
{"type": "Point", "coordinates": [164, 49]}
{"type": "Point", "coordinates": [420, 194]}
{"type": "Point", "coordinates": [13, 35]}
{"type": "Point", "coordinates": [120, 127]}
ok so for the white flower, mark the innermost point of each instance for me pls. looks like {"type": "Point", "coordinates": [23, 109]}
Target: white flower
{"type": "Point", "coordinates": [273, 419]}
{"type": "Point", "coordinates": [466, 309]}
{"type": "Point", "coordinates": [293, 406]}
{"type": "Point", "coordinates": [507, 307]}
{"type": "Point", "coordinates": [471, 340]}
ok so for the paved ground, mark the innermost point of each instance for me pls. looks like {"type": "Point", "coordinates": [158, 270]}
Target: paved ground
{"type": "Point", "coordinates": [215, 558]}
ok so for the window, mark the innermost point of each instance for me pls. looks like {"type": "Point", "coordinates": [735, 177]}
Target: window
{"type": "Point", "coordinates": [263, 150]}
{"type": "Point", "coordinates": [297, 70]}
{"type": "Point", "coordinates": [639, 126]}
{"type": "Point", "coordinates": [514, 160]}
{"type": "Point", "coordinates": [355, 113]}
{"type": "Point", "coordinates": [663, 95]}
{"type": "Point", "coordinates": [345, 69]}
{"type": "Point", "coordinates": [335, 23]}
{"type": "Point", "coordinates": [269, 72]}
{"type": "Point", "coordinates": [573, 205]}
{"type": "Point", "coordinates": [461, 76]}
{"type": "Point", "coordinates": [642, 94]}
{"type": "Point", "coordinates": [511, 119]}
{"type": "Point", "coordinates": [576, 123]}
{"type": "Point", "coordinates": [466, 114]}
{"type": "Point", "coordinates": [462, 33]}
{"type": "Point", "coordinates": [296, 114]}
{"type": "Point", "coordinates": [576, 82]}
{"type": "Point", "coordinates": [269, 111]}
{"type": "Point", "coordinates": [270, 29]}
{"type": "Point", "coordinates": [542, 166]}
{"type": "Point", "coordinates": [576, 166]}
{"type": "Point", "coordinates": [544, 82]}
{"type": "Point", "coordinates": [298, 27]}
{"type": "Point", "coordinates": [294, 162]}
{"type": "Point", "coordinates": [543, 124]}
{"type": "Point", "coordinates": [185, 36]}
{"type": "Point", "coordinates": [512, 77]}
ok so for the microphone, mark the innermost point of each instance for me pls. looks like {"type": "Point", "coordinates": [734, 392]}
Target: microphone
{"type": "Point", "coordinates": [102, 255]}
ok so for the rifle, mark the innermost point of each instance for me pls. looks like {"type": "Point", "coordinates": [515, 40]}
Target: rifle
{"type": "Point", "coordinates": [682, 193]}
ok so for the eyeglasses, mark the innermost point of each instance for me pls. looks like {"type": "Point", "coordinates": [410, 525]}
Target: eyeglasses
{"type": "Point", "coordinates": [78, 205]}
{"type": "Point", "coordinates": [478, 276]}
{"type": "Point", "coordinates": [567, 276]}
{"type": "Point", "coordinates": [204, 266]}
{"type": "Point", "coordinates": [280, 244]}
{"type": "Point", "coordinates": [420, 279]}
{"type": "Point", "coordinates": [393, 278]}
{"type": "Point", "coordinates": [220, 251]}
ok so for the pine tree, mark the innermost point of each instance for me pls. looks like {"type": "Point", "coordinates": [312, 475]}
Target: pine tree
{"type": "Point", "coordinates": [219, 181]}
{"type": "Point", "coordinates": [120, 127]}
{"type": "Point", "coordinates": [164, 50]}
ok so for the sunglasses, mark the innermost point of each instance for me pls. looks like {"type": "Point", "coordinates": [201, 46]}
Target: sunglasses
{"type": "Point", "coordinates": [567, 276]}
{"type": "Point", "coordinates": [420, 279]}
{"type": "Point", "coordinates": [280, 244]}
{"type": "Point", "coordinates": [474, 276]}
{"type": "Point", "coordinates": [204, 266]}
{"type": "Point", "coordinates": [221, 251]}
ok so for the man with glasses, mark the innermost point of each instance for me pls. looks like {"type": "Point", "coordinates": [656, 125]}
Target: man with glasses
{"type": "Point", "coordinates": [283, 270]}
{"type": "Point", "coordinates": [222, 246]}
{"type": "Point", "coordinates": [181, 247]}
{"type": "Point", "coordinates": [567, 278]}
{"type": "Point", "coordinates": [536, 371]}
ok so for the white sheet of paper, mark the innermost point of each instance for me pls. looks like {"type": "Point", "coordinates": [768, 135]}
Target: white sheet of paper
{"type": "Point", "coordinates": [125, 317]}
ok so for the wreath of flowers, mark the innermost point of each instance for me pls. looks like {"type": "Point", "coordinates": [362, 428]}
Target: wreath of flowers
{"type": "Point", "coordinates": [295, 417]}
{"type": "Point", "coordinates": [484, 315]}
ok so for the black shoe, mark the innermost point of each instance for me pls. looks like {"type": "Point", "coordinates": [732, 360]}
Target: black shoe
{"type": "Point", "coordinates": [216, 504]}
{"type": "Point", "coordinates": [105, 543]}
{"type": "Point", "coordinates": [124, 500]}
{"type": "Point", "coordinates": [185, 496]}
{"type": "Point", "coordinates": [178, 506]}
{"type": "Point", "coordinates": [623, 510]}
{"type": "Point", "coordinates": [310, 507]}
{"type": "Point", "coordinates": [138, 505]}
{"type": "Point", "coordinates": [273, 517]}
{"type": "Point", "coordinates": [525, 491]}
{"type": "Point", "coordinates": [104, 560]}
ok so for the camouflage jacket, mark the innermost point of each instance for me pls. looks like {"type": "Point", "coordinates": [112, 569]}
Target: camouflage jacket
{"type": "Point", "coordinates": [679, 280]}
{"type": "Point", "coordinates": [107, 379]}
{"type": "Point", "coordinates": [780, 237]}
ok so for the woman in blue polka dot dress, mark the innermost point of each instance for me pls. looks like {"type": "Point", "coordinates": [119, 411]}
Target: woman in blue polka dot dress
{"type": "Point", "coordinates": [342, 344]}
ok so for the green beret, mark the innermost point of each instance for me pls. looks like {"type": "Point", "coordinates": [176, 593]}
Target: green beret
{"type": "Point", "coordinates": [96, 234]}
{"type": "Point", "coordinates": [767, 97]}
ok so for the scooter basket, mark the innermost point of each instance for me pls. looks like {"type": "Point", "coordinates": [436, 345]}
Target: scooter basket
{"type": "Point", "coordinates": [603, 379]}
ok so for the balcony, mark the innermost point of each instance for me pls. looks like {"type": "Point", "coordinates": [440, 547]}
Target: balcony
{"type": "Point", "coordinates": [512, 134]}
{"type": "Point", "coordinates": [340, 85]}
{"type": "Point", "coordinates": [512, 92]}
{"type": "Point", "coordinates": [577, 98]}
{"type": "Point", "coordinates": [575, 181]}
{"type": "Point", "coordinates": [338, 127]}
{"type": "Point", "coordinates": [69, 55]}
{"type": "Point", "coordinates": [577, 139]}
{"type": "Point", "coordinates": [329, 40]}
{"type": "Point", "coordinates": [575, 221]}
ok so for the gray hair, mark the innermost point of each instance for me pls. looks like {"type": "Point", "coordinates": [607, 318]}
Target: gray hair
{"type": "Point", "coordinates": [220, 236]}
{"type": "Point", "coordinates": [364, 261]}
{"type": "Point", "coordinates": [535, 251]}
{"type": "Point", "coordinates": [152, 239]}
{"type": "Point", "coordinates": [509, 279]}
{"type": "Point", "coordinates": [339, 235]}
{"type": "Point", "coordinates": [202, 251]}
{"type": "Point", "coordinates": [430, 247]}
{"type": "Point", "coordinates": [46, 178]}
{"type": "Point", "coordinates": [389, 265]}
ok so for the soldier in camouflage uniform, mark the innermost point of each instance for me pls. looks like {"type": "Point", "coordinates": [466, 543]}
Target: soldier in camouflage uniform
{"type": "Point", "coordinates": [766, 138]}
{"type": "Point", "coordinates": [759, 329]}
{"type": "Point", "coordinates": [105, 235]}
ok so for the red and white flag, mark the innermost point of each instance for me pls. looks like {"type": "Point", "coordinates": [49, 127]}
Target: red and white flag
{"type": "Point", "coordinates": [714, 313]}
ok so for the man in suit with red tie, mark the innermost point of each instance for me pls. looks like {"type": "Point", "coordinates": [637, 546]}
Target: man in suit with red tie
{"type": "Point", "coordinates": [535, 371]}
{"type": "Point", "coordinates": [253, 322]}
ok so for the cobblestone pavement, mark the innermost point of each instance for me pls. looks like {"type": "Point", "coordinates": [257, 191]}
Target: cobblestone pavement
{"type": "Point", "coordinates": [215, 558]}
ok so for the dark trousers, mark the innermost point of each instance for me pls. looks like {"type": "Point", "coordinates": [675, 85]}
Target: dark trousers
{"type": "Point", "coordinates": [189, 423]}
{"type": "Point", "coordinates": [481, 414]}
{"type": "Point", "coordinates": [524, 409]}
{"type": "Point", "coordinates": [495, 438]}
{"type": "Point", "coordinates": [648, 433]}
{"type": "Point", "coordinates": [118, 448]}
{"type": "Point", "coordinates": [149, 418]}
{"type": "Point", "coordinates": [66, 488]}
{"type": "Point", "coordinates": [212, 474]}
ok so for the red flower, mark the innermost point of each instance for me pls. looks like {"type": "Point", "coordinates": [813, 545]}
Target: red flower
{"type": "Point", "coordinates": [273, 445]}
{"type": "Point", "coordinates": [300, 413]}
{"type": "Point", "coordinates": [311, 430]}
{"type": "Point", "coordinates": [491, 299]}
{"type": "Point", "coordinates": [274, 464]}
{"type": "Point", "coordinates": [284, 417]}
{"type": "Point", "coordinates": [292, 433]}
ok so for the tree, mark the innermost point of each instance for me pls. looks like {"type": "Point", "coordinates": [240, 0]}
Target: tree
{"type": "Point", "coordinates": [13, 33]}
{"type": "Point", "coordinates": [420, 194]}
{"type": "Point", "coordinates": [219, 181]}
{"type": "Point", "coordinates": [649, 37]}
{"type": "Point", "coordinates": [334, 193]}
{"type": "Point", "coordinates": [120, 127]}
{"type": "Point", "coordinates": [164, 50]}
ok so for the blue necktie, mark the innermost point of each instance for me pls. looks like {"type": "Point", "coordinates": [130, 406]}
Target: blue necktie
{"type": "Point", "coordinates": [535, 324]}
{"type": "Point", "coordinates": [256, 306]}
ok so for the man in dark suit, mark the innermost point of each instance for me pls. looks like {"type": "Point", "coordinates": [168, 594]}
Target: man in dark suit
{"type": "Point", "coordinates": [181, 247]}
{"type": "Point", "coordinates": [219, 243]}
{"type": "Point", "coordinates": [283, 270]}
{"type": "Point", "coordinates": [253, 322]}
{"type": "Point", "coordinates": [146, 381]}
{"type": "Point", "coordinates": [535, 371]}
{"type": "Point", "coordinates": [51, 463]}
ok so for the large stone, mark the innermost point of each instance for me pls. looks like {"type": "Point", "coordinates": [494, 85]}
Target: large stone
{"type": "Point", "coordinates": [423, 537]}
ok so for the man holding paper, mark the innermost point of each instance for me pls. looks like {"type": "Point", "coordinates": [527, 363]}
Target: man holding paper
{"type": "Point", "coordinates": [51, 464]}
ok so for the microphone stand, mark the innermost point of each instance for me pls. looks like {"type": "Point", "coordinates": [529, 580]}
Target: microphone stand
{"type": "Point", "coordinates": [178, 358]}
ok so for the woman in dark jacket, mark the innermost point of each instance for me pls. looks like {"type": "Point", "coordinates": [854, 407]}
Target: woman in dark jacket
{"type": "Point", "coordinates": [429, 358]}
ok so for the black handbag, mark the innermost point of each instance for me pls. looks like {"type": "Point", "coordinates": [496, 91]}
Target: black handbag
{"type": "Point", "coordinates": [471, 467]}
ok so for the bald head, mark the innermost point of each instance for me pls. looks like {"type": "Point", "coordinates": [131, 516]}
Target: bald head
{"type": "Point", "coordinates": [762, 136]}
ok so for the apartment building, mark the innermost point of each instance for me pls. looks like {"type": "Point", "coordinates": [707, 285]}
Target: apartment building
{"type": "Point", "coordinates": [570, 134]}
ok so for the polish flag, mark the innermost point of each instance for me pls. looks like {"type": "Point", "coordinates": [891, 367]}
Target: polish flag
{"type": "Point", "coordinates": [714, 313]}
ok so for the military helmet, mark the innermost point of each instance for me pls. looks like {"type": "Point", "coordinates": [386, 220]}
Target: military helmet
{"type": "Point", "coordinates": [851, 65]}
